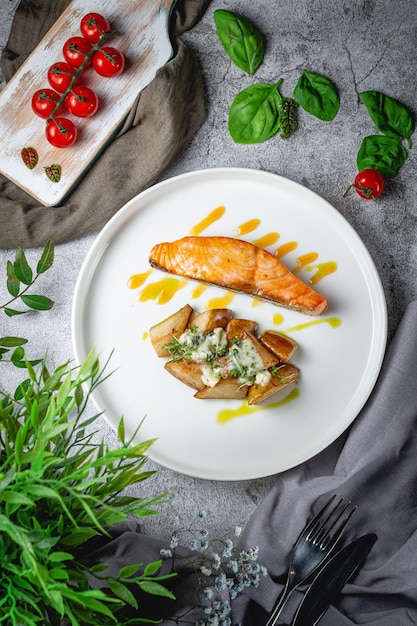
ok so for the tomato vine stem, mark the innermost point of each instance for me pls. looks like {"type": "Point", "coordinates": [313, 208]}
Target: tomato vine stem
{"type": "Point", "coordinates": [80, 69]}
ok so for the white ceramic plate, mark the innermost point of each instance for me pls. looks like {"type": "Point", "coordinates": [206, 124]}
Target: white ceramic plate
{"type": "Point", "coordinates": [339, 354]}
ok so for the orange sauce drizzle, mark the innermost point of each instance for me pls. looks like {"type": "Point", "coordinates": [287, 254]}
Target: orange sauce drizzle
{"type": "Point", "coordinates": [322, 270]}
{"type": "Point", "coordinates": [198, 291]}
{"type": "Point", "coordinates": [137, 280]}
{"type": "Point", "coordinates": [221, 302]}
{"type": "Point", "coordinates": [305, 259]}
{"type": "Point", "coordinates": [248, 227]}
{"type": "Point", "coordinates": [277, 318]}
{"type": "Point", "coordinates": [267, 240]}
{"type": "Point", "coordinates": [162, 291]}
{"type": "Point", "coordinates": [256, 302]}
{"type": "Point", "coordinates": [208, 221]}
{"type": "Point", "coordinates": [334, 322]}
{"type": "Point", "coordinates": [244, 409]}
{"type": "Point", "coordinates": [285, 249]}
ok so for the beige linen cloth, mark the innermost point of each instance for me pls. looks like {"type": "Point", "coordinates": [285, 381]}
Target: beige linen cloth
{"type": "Point", "coordinates": [162, 121]}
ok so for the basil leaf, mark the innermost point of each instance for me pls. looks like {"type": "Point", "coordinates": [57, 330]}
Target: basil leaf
{"type": "Point", "coordinates": [317, 95]}
{"type": "Point", "coordinates": [242, 42]}
{"type": "Point", "coordinates": [389, 116]}
{"type": "Point", "coordinates": [382, 153]}
{"type": "Point", "coordinates": [255, 113]}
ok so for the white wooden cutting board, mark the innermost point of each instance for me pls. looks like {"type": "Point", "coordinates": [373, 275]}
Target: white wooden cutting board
{"type": "Point", "coordinates": [145, 43]}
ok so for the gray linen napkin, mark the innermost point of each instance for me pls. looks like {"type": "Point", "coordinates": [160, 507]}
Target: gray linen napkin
{"type": "Point", "coordinates": [375, 466]}
{"type": "Point", "coordinates": [150, 138]}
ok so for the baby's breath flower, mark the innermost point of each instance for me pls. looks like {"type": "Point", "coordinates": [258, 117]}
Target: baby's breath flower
{"type": "Point", "coordinates": [216, 561]}
{"type": "Point", "coordinates": [205, 570]}
{"type": "Point", "coordinates": [208, 593]}
{"type": "Point", "coordinates": [220, 582]}
{"type": "Point", "coordinates": [202, 514]}
{"type": "Point", "coordinates": [174, 541]}
{"type": "Point", "coordinates": [204, 545]}
{"type": "Point", "coordinates": [165, 553]}
{"type": "Point", "coordinates": [238, 531]}
{"type": "Point", "coordinates": [194, 544]}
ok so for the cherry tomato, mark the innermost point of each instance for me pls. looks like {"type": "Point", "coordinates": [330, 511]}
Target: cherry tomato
{"type": "Point", "coordinates": [44, 102]}
{"type": "Point", "coordinates": [93, 26]}
{"type": "Point", "coordinates": [108, 62]}
{"type": "Point", "coordinates": [75, 50]}
{"type": "Point", "coordinates": [82, 101]}
{"type": "Point", "coordinates": [60, 75]}
{"type": "Point", "coordinates": [369, 184]}
{"type": "Point", "coordinates": [61, 132]}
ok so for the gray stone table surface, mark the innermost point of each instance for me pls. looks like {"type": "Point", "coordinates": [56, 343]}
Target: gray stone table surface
{"type": "Point", "coordinates": [360, 45]}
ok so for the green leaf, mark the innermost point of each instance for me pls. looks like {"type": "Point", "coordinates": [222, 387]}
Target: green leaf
{"type": "Point", "coordinates": [121, 431]}
{"type": "Point", "coordinates": [13, 284]}
{"type": "Point", "coordinates": [254, 115]}
{"type": "Point", "coordinates": [38, 303]}
{"type": "Point", "coordinates": [18, 354]}
{"type": "Point", "coordinates": [21, 390]}
{"type": "Point", "coordinates": [57, 557]}
{"type": "Point", "coordinates": [382, 153]}
{"type": "Point", "coordinates": [242, 42]}
{"type": "Point", "coordinates": [122, 592]}
{"type": "Point", "coordinates": [389, 116]}
{"type": "Point", "coordinates": [22, 268]}
{"type": "Point", "coordinates": [129, 570]}
{"type": "Point", "coordinates": [11, 312]}
{"type": "Point", "coordinates": [156, 589]}
{"type": "Point", "coordinates": [11, 342]}
{"type": "Point", "coordinates": [152, 568]}
{"type": "Point", "coordinates": [317, 95]}
{"type": "Point", "coordinates": [13, 497]}
{"type": "Point", "coordinates": [47, 258]}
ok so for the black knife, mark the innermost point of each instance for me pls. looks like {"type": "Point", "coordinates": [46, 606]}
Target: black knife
{"type": "Point", "coordinates": [331, 579]}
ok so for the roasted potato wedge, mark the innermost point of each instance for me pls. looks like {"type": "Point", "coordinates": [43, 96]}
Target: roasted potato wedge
{"type": "Point", "coordinates": [226, 388]}
{"type": "Point", "coordinates": [236, 327]}
{"type": "Point", "coordinates": [286, 374]}
{"type": "Point", "coordinates": [268, 359]}
{"type": "Point", "coordinates": [273, 349]}
{"type": "Point", "coordinates": [279, 344]}
{"type": "Point", "coordinates": [162, 334]}
{"type": "Point", "coordinates": [188, 372]}
{"type": "Point", "coordinates": [207, 321]}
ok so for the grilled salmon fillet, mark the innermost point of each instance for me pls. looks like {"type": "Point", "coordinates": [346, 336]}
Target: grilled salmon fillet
{"type": "Point", "coordinates": [237, 265]}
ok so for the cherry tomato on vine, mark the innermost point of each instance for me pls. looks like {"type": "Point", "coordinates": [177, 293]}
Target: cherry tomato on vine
{"type": "Point", "coordinates": [60, 76]}
{"type": "Point", "coordinates": [369, 184]}
{"type": "Point", "coordinates": [108, 62]}
{"type": "Point", "coordinates": [44, 102]}
{"type": "Point", "coordinates": [75, 50]}
{"type": "Point", "coordinates": [93, 26]}
{"type": "Point", "coordinates": [61, 132]}
{"type": "Point", "coordinates": [82, 101]}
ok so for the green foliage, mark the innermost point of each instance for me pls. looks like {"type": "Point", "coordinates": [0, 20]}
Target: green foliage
{"type": "Point", "coordinates": [385, 152]}
{"type": "Point", "coordinates": [317, 95]}
{"type": "Point", "coordinates": [59, 488]}
{"type": "Point", "coordinates": [20, 279]}
{"type": "Point", "coordinates": [241, 40]}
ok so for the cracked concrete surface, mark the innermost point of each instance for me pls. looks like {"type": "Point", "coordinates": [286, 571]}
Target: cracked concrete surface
{"type": "Point", "coordinates": [360, 45]}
